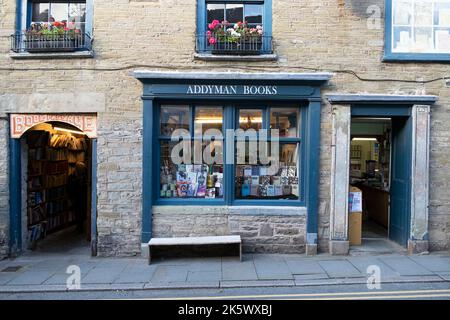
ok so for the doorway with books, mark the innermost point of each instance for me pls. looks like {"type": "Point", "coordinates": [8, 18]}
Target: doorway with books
{"type": "Point", "coordinates": [56, 188]}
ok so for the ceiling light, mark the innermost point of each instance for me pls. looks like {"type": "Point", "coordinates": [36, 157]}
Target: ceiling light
{"type": "Point", "coordinates": [68, 130]}
{"type": "Point", "coordinates": [364, 139]}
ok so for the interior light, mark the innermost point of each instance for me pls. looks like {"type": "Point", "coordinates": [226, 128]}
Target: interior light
{"type": "Point", "coordinates": [252, 120]}
{"type": "Point", "coordinates": [208, 120]}
{"type": "Point", "coordinates": [68, 130]}
{"type": "Point", "coordinates": [364, 139]}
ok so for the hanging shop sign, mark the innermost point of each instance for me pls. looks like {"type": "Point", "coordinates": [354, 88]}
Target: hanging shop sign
{"type": "Point", "coordinates": [20, 123]}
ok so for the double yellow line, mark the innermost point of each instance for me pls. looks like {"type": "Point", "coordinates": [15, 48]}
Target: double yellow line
{"type": "Point", "coordinates": [365, 295]}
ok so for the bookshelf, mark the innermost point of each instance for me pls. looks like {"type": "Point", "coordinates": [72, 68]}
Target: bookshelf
{"type": "Point", "coordinates": [51, 161]}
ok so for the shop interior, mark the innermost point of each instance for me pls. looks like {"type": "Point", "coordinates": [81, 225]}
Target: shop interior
{"type": "Point", "coordinates": [56, 169]}
{"type": "Point", "coordinates": [370, 167]}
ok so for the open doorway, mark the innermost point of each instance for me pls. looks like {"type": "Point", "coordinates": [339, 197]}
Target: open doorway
{"type": "Point", "coordinates": [56, 195]}
{"type": "Point", "coordinates": [371, 169]}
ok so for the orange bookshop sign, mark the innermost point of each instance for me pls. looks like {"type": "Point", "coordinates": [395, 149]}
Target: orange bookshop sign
{"type": "Point", "coordinates": [20, 123]}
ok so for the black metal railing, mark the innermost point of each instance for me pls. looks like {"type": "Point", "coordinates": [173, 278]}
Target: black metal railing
{"type": "Point", "coordinates": [227, 45]}
{"type": "Point", "coordinates": [39, 43]}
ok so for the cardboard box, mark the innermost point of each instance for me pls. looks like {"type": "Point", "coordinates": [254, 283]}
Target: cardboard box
{"type": "Point", "coordinates": [355, 216]}
{"type": "Point", "coordinates": [355, 228]}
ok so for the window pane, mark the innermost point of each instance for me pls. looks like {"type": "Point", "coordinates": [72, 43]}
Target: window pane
{"type": "Point", "coordinates": [402, 12]}
{"type": "Point", "coordinates": [423, 14]}
{"type": "Point", "coordinates": [208, 118]}
{"type": "Point", "coordinates": [253, 181]}
{"type": "Point", "coordinates": [442, 14]}
{"type": "Point", "coordinates": [442, 40]}
{"type": "Point", "coordinates": [77, 16]}
{"type": "Point", "coordinates": [234, 13]}
{"type": "Point", "coordinates": [286, 120]}
{"type": "Point", "coordinates": [402, 39]}
{"type": "Point", "coordinates": [40, 12]}
{"type": "Point", "coordinates": [215, 12]}
{"type": "Point", "coordinates": [424, 40]}
{"type": "Point", "coordinates": [250, 119]}
{"type": "Point", "coordinates": [172, 118]}
{"type": "Point", "coordinates": [253, 13]}
{"type": "Point", "coordinates": [59, 12]}
{"type": "Point", "coordinates": [188, 180]}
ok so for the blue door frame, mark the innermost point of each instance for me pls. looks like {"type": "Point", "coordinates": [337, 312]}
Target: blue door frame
{"type": "Point", "coordinates": [158, 89]}
{"type": "Point", "coordinates": [15, 196]}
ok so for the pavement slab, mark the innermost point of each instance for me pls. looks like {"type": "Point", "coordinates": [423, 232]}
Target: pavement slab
{"type": "Point", "coordinates": [256, 283]}
{"type": "Point", "coordinates": [404, 266]}
{"type": "Point", "coordinates": [101, 275]}
{"type": "Point", "coordinates": [272, 270]}
{"type": "Point", "coordinates": [433, 263]}
{"type": "Point", "coordinates": [235, 270]}
{"type": "Point", "coordinates": [168, 274]}
{"type": "Point", "coordinates": [340, 269]}
{"type": "Point", "coordinates": [198, 276]}
{"type": "Point", "coordinates": [30, 278]}
{"type": "Point", "coordinates": [299, 265]}
{"type": "Point", "coordinates": [362, 264]}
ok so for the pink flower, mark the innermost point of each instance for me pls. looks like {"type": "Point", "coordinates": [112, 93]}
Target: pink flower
{"type": "Point", "coordinates": [212, 41]}
{"type": "Point", "coordinates": [209, 33]}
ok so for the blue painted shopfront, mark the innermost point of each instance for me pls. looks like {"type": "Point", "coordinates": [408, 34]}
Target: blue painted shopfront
{"type": "Point", "coordinates": [233, 90]}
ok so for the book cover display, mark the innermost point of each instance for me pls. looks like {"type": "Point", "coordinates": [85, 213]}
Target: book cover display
{"type": "Point", "coordinates": [191, 181]}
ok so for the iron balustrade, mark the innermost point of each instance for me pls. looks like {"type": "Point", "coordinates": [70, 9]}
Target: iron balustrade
{"type": "Point", "coordinates": [228, 45]}
{"type": "Point", "coordinates": [38, 43]}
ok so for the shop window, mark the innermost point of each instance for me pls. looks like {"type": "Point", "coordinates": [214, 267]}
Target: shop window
{"type": "Point", "coordinates": [192, 142]}
{"type": "Point", "coordinates": [418, 30]}
{"type": "Point", "coordinates": [259, 181]}
{"type": "Point", "coordinates": [190, 167]}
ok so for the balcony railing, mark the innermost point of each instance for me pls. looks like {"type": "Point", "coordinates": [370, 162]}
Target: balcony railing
{"type": "Point", "coordinates": [246, 45]}
{"type": "Point", "coordinates": [38, 43]}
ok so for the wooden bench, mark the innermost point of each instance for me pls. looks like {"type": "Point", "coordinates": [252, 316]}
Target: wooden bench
{"type": "Point", "coordinates": [193, 242]}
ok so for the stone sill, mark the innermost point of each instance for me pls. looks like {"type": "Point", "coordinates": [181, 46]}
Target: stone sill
{"type": "Point", "coordinates": [230, 210]}
{"type": "Point", "coordinates": [53, 55]}
{"type": "Point", "coordinates": [215, 57]}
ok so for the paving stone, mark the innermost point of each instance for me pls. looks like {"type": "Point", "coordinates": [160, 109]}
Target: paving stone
{"type": "Point", "coordinates": [31, 278]}
{"type": "Point", "coordinates": [339, 269]}
{"type": "Point", "coordinates": [136, 273]}
{"type": "Point", "coordinates": [196, 276]}
{"type": "Point", "coordinates": [5, 277]}
{"type": "Point", "coordinates": [57, 279]}
{"type": "Point", "coordinates": [101, 275]}
{"type": "Point", "coordinates": [272, 270]}
{"type": "Point", "coordinates": [169, 274]}
{"type": "Point", "coordinates": [234, 270]}
{"type": "Point", "coordinates": [405, 266]}
{"type": "Point", "coordinates": [433, 263]}
{"type": "Point", "coordinates": [305, 277]}
{"type": "Point", "coordinates": [303, 266]}
{"type": "Point", "coordinates": [362, 263]}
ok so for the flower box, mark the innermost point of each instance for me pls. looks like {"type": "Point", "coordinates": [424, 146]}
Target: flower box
{"type": "Point", "coordinates": [237, 48]}
{"type": "Point", "coordinates": [53, 45]}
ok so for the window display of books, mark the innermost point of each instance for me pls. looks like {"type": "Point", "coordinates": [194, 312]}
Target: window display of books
{"type": "Point", "coordinates": [253, 182]}
{"type": "Point", "coordinates": [191, 181]}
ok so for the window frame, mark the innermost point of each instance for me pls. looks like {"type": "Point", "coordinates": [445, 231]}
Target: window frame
{"type": "Point", "coordinates": [230, 116]}
{"type": "Point", "coordinates": [405, 56]}
{"type": "Point", "coordinates": [24, 14]}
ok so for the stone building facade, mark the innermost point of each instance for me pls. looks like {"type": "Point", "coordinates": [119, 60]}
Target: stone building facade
{"type": "Point", "coordinates": [342, 38]}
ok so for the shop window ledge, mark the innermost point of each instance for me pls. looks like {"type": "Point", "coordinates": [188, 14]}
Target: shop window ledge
{"type": "Point", "coordinates": [216, 57]}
